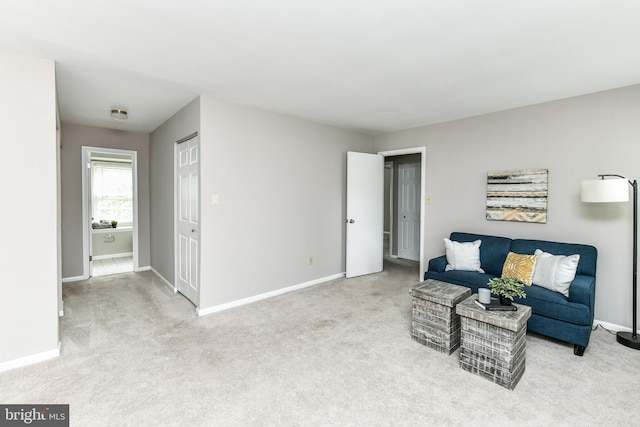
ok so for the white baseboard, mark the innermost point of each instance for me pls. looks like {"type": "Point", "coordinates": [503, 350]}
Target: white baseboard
{"type": "Point", "coordinates": [249, 300]}
{"type": "Point", "coordinates": [145, 268]}
{"type": "Point", "coordinates": [30, 360]}
{"type": "Point", "coordinates": [74, 279]}
{"type": "Point", "coordinates": [612, 326]}
{"type": "Point", "coordinates": [165, 281]}
{"type": "Point", "coordinates": [109, 256]}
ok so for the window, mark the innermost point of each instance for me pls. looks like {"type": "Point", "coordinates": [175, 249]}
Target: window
{"type": "Point", "coordinates": [112, 195]}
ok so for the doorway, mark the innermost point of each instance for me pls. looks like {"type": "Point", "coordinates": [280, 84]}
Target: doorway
{"type": "Point", "coordinates": [402, 206]}
{"type": "Point", "coordinates": [365, 209]}
{"type": "Point", "coordinates": [405, 236]}
{"type": "Point", "coordinates": [110, 211]}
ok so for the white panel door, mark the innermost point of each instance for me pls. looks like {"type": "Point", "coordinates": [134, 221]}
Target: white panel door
{"type": "Point", "coordinates": [188, 220]}
{"type": "Point", "coordinates": [409, 211]}
{"type": "Point", "coordinates": [365, 218]}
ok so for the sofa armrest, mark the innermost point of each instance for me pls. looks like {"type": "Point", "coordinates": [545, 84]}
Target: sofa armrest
{"type": "Point", "coordinates": [583, 291]}
{"type": "Point", "coordinates": [438, 264]}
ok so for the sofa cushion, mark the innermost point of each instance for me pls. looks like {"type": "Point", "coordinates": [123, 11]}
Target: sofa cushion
{"type": "Point", "coordinates": [556, 306]}
{"type": "Point", "coordinates": [555, 272]}
{"type": "Point", "coordinates": [588, 254]}
{"type": "Point", "coordinates": [519, 267]}
{"type": "Point", "coordinates": [493, 250]}
{"type": "Point", "coordinates": [463, 255]}
{"type": "Point", "coordinates": [543, 302]}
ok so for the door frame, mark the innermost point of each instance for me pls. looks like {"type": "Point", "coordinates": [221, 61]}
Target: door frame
{"type": "Point", "coordinates": [423, 173]}
{"type": "Point", "coordinates": [389, 206]}
{"type": "Point", "coordinates": [86, 203]}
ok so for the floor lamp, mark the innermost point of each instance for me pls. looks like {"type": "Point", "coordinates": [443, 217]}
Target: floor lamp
{"type": "Point", "coordinates": [610, 191]}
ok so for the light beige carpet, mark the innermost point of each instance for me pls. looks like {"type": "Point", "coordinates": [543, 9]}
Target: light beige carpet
{"type": "Point", "coordinates": [336, 354]}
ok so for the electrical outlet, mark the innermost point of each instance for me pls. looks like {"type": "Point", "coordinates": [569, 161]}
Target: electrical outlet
{"type": "Point", "coordinates": [310, 260]}
{"type": "Point", "coordinates": [429, 200]}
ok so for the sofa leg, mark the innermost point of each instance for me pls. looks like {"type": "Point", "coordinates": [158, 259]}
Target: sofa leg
{"type": "Point", "coordinates": [578, 350]}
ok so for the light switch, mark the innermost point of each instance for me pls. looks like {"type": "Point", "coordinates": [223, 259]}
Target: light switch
{"type": "Point", "coordinates": [215, 199]}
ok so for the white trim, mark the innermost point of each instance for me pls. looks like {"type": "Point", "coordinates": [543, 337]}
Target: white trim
{"type": "Point", "coordinates": [110, 230]}
{"type": "Point", "coordinates": [176, 261]}
{"type": "Point", "coordinates": [78, 278]}
{"type": "Point", "coordinates": [86, 202]}
{"type": "Point", "coordinates": [256, 298]}
{"type": "Point", "coordinates": [612, 326]}
{"type": "Point", "coordinates": [391, 209]}
{"type": "Point", "coordinates": [30, 360]}
{"type": "Point", "coordinates": [74, 279]}
{"type": "Point", "coordinates": [59, 214]}
{"type": "Point", "coordinates": [423, 188]}
{"type": "Point", "coordinates": [163, 280]}
{"type": "Point", "coordinates": [109, 256]}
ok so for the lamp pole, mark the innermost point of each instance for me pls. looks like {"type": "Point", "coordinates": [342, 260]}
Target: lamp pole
{"type": "Point", "coordinates": [630, 339]}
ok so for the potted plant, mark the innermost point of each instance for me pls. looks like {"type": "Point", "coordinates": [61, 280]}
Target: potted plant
{"type": "Point", "coordinates": [114, 223]}
{"type": "Point", "coordinates": [507, 288]}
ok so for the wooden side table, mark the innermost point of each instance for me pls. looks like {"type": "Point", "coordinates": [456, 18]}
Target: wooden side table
{"type": "Point", "coordinates": [493, 343]}
{"type": "Point", "coordinates": [434, 319]}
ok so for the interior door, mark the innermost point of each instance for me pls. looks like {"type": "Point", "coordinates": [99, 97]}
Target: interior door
{"type": "Point", "coordinates": [365, 217]}
{"type": "Point", "coordinates": [188, 219]}
{"type": "Point", "coordinates": [409, 211]}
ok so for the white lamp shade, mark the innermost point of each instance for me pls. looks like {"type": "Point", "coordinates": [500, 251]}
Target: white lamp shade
{"type": "Point", "coordinates": [604, 190]}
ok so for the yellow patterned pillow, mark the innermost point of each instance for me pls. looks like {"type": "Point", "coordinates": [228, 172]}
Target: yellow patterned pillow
{"type": "Point", "coordinates": [520, 267]}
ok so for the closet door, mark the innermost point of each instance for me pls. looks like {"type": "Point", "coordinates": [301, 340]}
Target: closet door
{"type": "Point", "coordinates": [188, 219]}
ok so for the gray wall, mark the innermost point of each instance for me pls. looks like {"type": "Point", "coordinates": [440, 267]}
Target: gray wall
{"type": "Point", "coordinates": [29, 265]}
{"type": "Point", "coordinates": [162, 146]}
{"type": "Point", "coordinates": [576, 139]}
{"type": "Point", "coordinates": [111, 242]}
{"type": "Point", "coordinates": [73, 138]}
{"type": "Point", "coordinates": [281, 183]}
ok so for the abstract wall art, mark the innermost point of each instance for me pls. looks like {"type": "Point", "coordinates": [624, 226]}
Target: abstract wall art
{"type": "Point", "coordinates": [519, 195]}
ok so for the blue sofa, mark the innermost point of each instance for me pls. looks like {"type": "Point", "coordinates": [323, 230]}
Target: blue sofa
{"type": "Point", "coordinates": [554, 315]}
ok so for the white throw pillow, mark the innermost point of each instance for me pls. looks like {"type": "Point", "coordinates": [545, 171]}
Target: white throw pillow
{"type": "Point", "coordinates": [555, 272]}
{"type": "Point", "coordinates": [463, 255]}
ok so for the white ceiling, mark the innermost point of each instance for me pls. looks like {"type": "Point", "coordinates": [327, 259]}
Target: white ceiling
{"type": "Point", "coordinates": [373, 66]}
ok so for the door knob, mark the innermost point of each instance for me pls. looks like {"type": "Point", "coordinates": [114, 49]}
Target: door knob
{"type": "Point", "coordinates": [351, 221]}
{"type": "Point", "coordinates": [193, 230]}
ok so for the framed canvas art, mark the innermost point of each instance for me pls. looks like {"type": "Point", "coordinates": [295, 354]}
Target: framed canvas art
{"type": "Point", "coordinates": [519, 195]}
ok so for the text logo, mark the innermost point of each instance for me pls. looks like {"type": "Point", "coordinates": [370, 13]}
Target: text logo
{"type": "Point", "coordinates": [34, 415]}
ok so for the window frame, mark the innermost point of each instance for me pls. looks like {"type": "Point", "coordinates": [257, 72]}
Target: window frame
{"type": "Point", "coordinates": [94, 202]}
